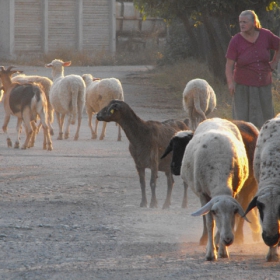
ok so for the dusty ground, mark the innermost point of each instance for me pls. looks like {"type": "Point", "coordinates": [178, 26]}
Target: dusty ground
{"type": "Point", "coordinates": [73, 213]}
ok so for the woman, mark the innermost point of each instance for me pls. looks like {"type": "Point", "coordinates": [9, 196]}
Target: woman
{"type": "Point", "coordinates": [249, 70]}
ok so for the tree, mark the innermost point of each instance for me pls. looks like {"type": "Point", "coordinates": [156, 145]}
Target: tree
{"type": "Point", "coordinates": [219, 19]}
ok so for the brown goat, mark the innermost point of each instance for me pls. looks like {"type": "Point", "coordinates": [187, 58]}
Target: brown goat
{"type": "Point", "coordinates": [148, 140]}
{"type": "Point", "coordinates": [26, 102]}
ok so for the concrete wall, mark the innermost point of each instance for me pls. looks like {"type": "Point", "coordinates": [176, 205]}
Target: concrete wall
{"type": "Point", "coordinates": [42, 26]}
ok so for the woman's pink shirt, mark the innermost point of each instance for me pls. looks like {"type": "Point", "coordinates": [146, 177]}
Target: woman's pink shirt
{"type": "Point", "coordinates": [252, 59]}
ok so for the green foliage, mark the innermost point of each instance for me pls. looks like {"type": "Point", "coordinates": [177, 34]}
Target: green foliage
{"type": "Point", "coordinates": [218, 19]}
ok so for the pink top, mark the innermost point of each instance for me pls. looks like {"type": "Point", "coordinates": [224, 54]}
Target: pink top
{"type": "Point", "coordinates": [252, 59]}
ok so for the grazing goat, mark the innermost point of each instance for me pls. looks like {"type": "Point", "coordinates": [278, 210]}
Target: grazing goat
{"type": "Point", "coordinates": [46, 84]}
{"type": "Point", "coordinates": [249, 135]}
{"type": "Point", "coordinates": [99, 92]}
{"type": "Point", "coordinates": [215, 166]}
{"type": "Point", "coordinates": [267, 174]}
{"type": "Point", "coordinates": [67, 97]}
{"type": "Point", "coordinates": [147, 140]}
{"type": "Point", "coordinates": [26, 102]}
{"type": "Point", "coordinates": [199, 100]}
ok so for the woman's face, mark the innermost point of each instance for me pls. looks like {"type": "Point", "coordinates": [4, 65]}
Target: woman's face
{"type": "Point", "coordinates": [246, 24]}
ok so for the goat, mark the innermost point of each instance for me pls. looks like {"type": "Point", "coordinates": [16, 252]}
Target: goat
{"type": "Point", "coordinates": [199, 100]}
{"type": "Point", "coordinates": [46, 84]}
{"type": "Point", "coordinates": [215, 166]}
{"type": "Point", "coordinates": [99, 92]}
{"type": "Point", "coordinates": [67, 97]}
{"type": "Point", "coordinates": [26, 102]}
{"type": "Point", "coordinates": [249, 135]}
{"type": "Point", "coordinates": [267, 199]}
{"type": "Point", "coordinates": [147, 140]}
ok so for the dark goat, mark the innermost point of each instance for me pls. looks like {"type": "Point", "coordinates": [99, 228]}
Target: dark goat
{"type": "Point", "coordinates": [249, 135]}
{"type": "Point", "coordinates": [26, 102]}
{"type": "Point", "coordinates": [147, 142]}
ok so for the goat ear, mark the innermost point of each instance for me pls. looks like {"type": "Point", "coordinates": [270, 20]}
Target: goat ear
{"type": "Point", "coordinates": [204, 209]}
{"type": "Point", "coordinates": [167, 150]}
{"type": "Point", "coordinates": [251, 205]}
{"type": "Point", "coordinates": [66, 63]}
{"type": "Point", "coordinates": [16, 71]}
{"type": "Point", "coordinates": [48, 65]}
{"type": "Point", "coordinates": [241, 211]}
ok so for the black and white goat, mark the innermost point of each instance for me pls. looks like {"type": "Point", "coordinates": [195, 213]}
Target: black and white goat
{"type": "Point", "coordinates": [26, 102]}
{"type": "Point", "coordinates": [249, 135]}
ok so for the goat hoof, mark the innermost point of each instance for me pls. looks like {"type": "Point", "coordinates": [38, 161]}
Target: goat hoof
{"type": "Point", "coordinates": [16, 146]}
{"type": "Point", "coordinates": [93, 136]}
{"type": "Point", "coordinates": [101, 137]}
{"type": "Point", "coordinates": [153, 204]}
{"type": "Point", "coordinates": [60, 136]}
{"type": "Point", "coordinates": [23, 147]}
{"type": "Point", "coordinates": [166, 205]}
{"type": "Point", "coordinates": [66, 135]}
{"type": "Point", "coordinates": [9, 143]}
{"type": "Point", "coordinates": [76, 137]}
{"type": "Point", "coordinates": [143, 204]}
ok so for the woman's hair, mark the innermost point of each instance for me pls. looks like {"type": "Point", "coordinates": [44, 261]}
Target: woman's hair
{"type": "Point", "coordinates": [251, 14]}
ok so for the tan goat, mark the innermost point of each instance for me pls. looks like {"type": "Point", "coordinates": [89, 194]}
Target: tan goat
{"type": "Point", "coordinates": [26, 102]}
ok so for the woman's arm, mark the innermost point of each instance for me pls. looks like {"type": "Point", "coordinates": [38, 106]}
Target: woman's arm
{"type": "Point", "coordinates": [229, 75]}
{"type": "Point", "coordinates": [274, 62]}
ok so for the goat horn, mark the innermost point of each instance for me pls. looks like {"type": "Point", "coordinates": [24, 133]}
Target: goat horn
{"type": "Point", "coordinates": [241, 211]}
{"type": "Point", "coordinates": [2, 68]}
{"type": "Point", "coordinates": [251, 205]}
{"type": "Point", "coordinates": [10, 67]}
{"type": "Point", "coordinates": [167, 151]}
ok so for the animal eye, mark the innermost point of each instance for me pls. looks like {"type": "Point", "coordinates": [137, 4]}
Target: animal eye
{"type": "Point", "coordinates": [213, 212]}
{"type": "Point", "coordinates": [235, 211]}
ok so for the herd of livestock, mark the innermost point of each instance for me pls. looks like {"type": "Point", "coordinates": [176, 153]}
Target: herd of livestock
{"type": "Point", "coordinates": [230, 165]}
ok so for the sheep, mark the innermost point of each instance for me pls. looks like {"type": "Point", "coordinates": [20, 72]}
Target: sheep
{"type": "Point", "coordinates": [46, 84]}
{"type": "Point", "coordinates": [267, 199]}
{"type": "Point", "coordinates": [26, 102]}
{"type": "Point", "coordinates": [99, 92]}
{"type": "Point", "coordinates": [215, 166]}
{"type": "Point", "coordinates": [249, 135]}
{"type": "Point", "coordinates": [199, 100]}
{"type": "Point", "coordinates": [67, 97]}
{"type": "Point", "coordinates": [147, 140]}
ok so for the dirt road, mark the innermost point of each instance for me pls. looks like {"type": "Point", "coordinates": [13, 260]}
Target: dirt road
{"type": "Point", "coordinates": [73, 213]}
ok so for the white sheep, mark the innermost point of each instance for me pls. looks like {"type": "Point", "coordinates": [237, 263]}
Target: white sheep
{"type": "Point", "coordinates": [67, 97]}
{"type": "Point", "coordinates": [267, 173]}
{"type": "Point", "coordinates": [199, 100]}
{"type": "Point", "coordinates": [215, 166]}
{"type": "Point", "coordinates": [45, 83]}
{"type": "Point", "coordinates": [99, 92]}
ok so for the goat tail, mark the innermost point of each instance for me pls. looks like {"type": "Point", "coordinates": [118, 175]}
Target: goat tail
{"type": "Point", "coordinates": [197, 107]}
{"type": "Point", "coordinates": [74, 107]}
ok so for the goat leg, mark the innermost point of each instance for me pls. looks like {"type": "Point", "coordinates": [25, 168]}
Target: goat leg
{"type": "Point", "coordinates": [170, 184]}
{"type": "Point", "coordinates": [5, 130]}
{"type": "Point", "coordinates": [141, 173]}
{"type": "Point", "coordinates": [153, 181]}
{"type": "Point", "coordinates": [185, 198]}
